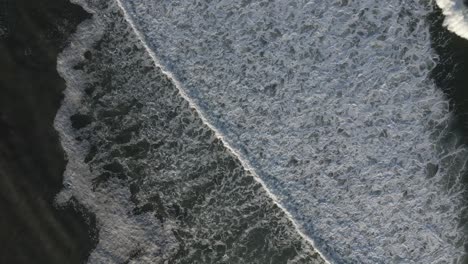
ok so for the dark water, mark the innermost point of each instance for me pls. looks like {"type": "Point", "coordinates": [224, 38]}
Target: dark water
{"type": "Point", "coordinates": [451, 75]}
{"type": "Point", "coordinates": [32, 230]}
{"type": "Point", "coordinates": [155, 168]}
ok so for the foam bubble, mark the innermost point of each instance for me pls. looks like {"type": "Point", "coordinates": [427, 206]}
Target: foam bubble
{"type": "Point", "coordinates": [456, 16]}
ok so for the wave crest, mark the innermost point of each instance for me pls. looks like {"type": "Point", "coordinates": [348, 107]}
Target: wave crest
{"type": "Point", "coordinates": [456, 16]}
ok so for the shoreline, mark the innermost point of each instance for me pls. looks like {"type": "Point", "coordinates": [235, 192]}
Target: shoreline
{"type": "Point", "coordinates": [32, 160]}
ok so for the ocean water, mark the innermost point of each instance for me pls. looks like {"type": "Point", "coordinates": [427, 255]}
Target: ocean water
{"type": "Point", "coordinates": [262, 132]}
{"type": "Point", "coordinates": [5, 11]}
{"type": "Point", "coordinates": [331, 104]}
{"type": "Point", "coordinates": [162, 185]}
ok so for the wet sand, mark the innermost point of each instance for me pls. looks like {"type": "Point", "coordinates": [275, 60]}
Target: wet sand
{"type": "Point", "coordinates": [32, 229]}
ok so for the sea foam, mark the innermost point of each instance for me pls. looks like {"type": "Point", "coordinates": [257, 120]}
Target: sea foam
{"type": "Point", "coordinates": [163, 186]}
{"type": "Point", "coordinates": [456, 16]}
{"type": "Point", "coordinates": [330, 102]}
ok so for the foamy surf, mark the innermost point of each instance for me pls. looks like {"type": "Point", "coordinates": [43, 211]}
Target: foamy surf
{"type": "Point", "coordinates": [372, 171]}
{"type": "Point", "coordinates": [331, 105]}
{"type": "Point", "coordinates": [162, 185]}
{"type": "Point", "coordinates": [456, 16]}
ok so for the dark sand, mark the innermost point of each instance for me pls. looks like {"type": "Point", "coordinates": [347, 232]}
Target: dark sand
{"type": "Point", "coordinates": [32, 229]}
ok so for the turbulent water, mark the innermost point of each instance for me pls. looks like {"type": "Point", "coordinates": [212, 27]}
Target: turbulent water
{"type": "Point", "coordinates": [263, 126]}
{"type": "Point", "coordinates": [456, 16]}
{"type": "Point", "coordinates": [162, 185]}
{"type": "Point", "coordinates": [4, 12]}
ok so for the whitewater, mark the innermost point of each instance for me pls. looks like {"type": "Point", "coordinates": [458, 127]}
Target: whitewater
{"type": "Point", "coordinates": [456, 16]}
{"type": "Point", "coordinates": [327, 104]}
{"type": "Point", "coordinates": [163, 186]}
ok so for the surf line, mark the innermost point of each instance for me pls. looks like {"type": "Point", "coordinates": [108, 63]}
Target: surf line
{"type": "Point", "coordinates": [245, 163]}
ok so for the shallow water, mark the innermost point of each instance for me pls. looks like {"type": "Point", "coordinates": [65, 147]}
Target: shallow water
{"type": "Point", "coordinates": [329, 104]}
{"type": "Point", "coordinates": [163, 187]}
{"type": "Point", "coordinates": [32, 228]}
{"type": "Point", "coordinates": [332, 105]}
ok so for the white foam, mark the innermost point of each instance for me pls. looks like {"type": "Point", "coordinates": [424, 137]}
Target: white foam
{"type": "Point", "coordinates": [331, 105]}
{"type": "Point", "coordinates": [121, 233]}
{"type": "Point", "coordinates": [456, 16]}
{"type": "Point", "coordinates": [245, 163]}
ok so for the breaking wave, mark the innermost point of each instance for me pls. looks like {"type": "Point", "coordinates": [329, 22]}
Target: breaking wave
{"type": "Point", "coordinates": [163, 186]}
{"type": "Point", "coordinates": [332, 105]}
{"type": "Point", "coordinates": [456, 16]}
{"type": "Point", "coordinates": [329, 103]}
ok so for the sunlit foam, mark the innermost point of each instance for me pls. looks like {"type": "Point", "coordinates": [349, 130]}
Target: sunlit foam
{"type": "Point", "coordinates": [456, 16]}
